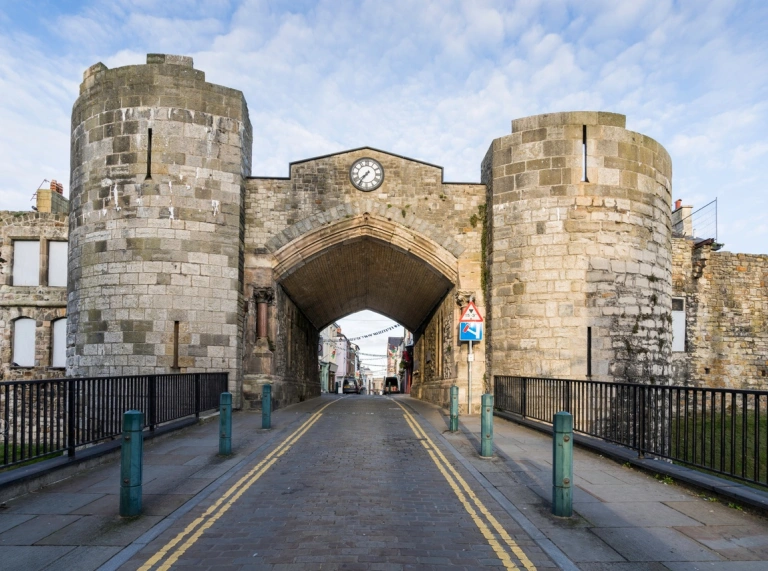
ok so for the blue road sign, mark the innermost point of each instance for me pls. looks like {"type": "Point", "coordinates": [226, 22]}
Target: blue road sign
{"type": "Point", "coordinates": [472, 331]}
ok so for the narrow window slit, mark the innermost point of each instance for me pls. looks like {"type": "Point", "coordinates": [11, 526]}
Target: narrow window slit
{"type": "Point", "coordinates": [589, 351]}
{"type": "Point", "coordinates": [149, 154]}
{"type": "Point", "coordinates": [584, 154]}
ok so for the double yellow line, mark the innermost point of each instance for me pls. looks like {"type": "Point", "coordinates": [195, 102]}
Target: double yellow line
{"type": "Point", "coordinates": [471, 502]}
{"type": "Point", "coordinates": [175, 548]}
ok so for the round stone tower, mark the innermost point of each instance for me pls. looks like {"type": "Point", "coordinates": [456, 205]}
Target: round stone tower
{"type": "Point", "coordinates": [159, 158]}
{"type": "Point", "coordinates": [579, 250]}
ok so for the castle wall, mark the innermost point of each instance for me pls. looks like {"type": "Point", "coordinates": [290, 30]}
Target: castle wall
{"type": "Point", "coordinates": [156, 223]}
{"type": "Point", "coordinates": [566, 254]}
{"type": "Point", "coordinates": [726, 314]}
{"type": "Point", "coordinates": [43, 303]}
{"type": "Point", "coordinates": [414, 212]}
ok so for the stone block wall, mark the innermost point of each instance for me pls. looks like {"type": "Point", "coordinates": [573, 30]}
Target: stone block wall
{"type": "Point", "coordinates": [43, 303]}
{"type": "Point", "coordinates": [565, 253]}
{"type": "Point", "coordinates": [726, 311]}
{"type": "Point", "coordinates": [159, 158]}
{"type": "Point", "coordinates": [433, 229]}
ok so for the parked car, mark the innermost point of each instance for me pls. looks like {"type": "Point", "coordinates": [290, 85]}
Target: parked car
{"type": "Point", "coordinates": [349, 385]}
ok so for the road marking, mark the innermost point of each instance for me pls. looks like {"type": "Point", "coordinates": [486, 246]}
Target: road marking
{"type": "Point", "coordinates": [458, 483]}
{"type": "Point", "coordinates": [197, 527]}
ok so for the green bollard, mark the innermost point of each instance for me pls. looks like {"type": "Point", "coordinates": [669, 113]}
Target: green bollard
{"type": "Point", "coordinates": [486, 427]}
{"type": "Point", "coordinates": [266, 406]}
{"type": "Point", "coordinates": [454, 408]}
{"type": "Point", "coordinates": [131, 453]}
{"type": "Point", "coordinates": [225, 424]}
{"type": "Point", "coordinates": [562, 465]}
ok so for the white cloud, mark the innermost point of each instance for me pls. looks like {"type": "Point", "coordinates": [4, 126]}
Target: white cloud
{"type": "Point", "coordinates": [436, 79]}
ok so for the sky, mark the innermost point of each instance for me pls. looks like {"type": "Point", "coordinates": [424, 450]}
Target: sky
{"type": "Point", "coordinates": [373, 349]}
{"type": "Point", "coordinates": [435, 80]}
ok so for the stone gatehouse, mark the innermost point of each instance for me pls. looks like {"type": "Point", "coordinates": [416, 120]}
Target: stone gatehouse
{"type": "Point", "coordinates": [181, 259]}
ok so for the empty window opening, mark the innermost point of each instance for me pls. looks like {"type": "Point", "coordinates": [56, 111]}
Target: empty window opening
{"type": "Point", "coordinates": [26, 262]}
{"type": "Point", "coordinates": [584, 154]}
{"type": "Point", "coordinates": [57, 264]}
{"type": "Point", "coordinates": [59, 349]}
{"type": "Point", "coordinates": [175, 345]}
{"type": "Point", "coordinates": [24, 342]}
{"type": "Point", "coordinates": [589, 351]}
{"type": "Point", "coordinates": [678, 324]}
{"type": "Point", "coordinates": [149, 153]}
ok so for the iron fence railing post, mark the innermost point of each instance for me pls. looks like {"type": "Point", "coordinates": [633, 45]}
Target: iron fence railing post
{"type": "Point", "coordinates": [524, 397]}
{"type": "Point", "coordinates": [643, 421]}
{"type": "Point", "coordinates": [71, 417]}
{"type": "Point", "coordinates": [152, 381]}
{"type": "Point", "coordinates": [197, 395]}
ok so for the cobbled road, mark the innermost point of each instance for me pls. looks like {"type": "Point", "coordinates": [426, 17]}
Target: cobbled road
{"type": "Point", "coordinates": [361, 482]}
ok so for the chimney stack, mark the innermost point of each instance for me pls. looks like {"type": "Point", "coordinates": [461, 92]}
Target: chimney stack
{"type": "Point", "coordinates": [57, 187]}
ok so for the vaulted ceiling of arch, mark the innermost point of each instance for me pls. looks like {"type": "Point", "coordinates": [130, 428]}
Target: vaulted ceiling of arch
{"type": "Point", "coordinates": [366, 273]}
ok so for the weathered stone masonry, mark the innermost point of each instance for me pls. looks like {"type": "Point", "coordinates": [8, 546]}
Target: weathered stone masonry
{"type": "Point", "coordinates": [400, 250]}
{"type": "Point", "coordinates": [726, 309]}
{"type": "Point", "coordinates": [568, 252]}
{"type": "Point", "coordinates": [159, 159]}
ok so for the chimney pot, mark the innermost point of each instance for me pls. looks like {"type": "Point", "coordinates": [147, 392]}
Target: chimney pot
{"type": "Point", "coordinates": [678, 203]}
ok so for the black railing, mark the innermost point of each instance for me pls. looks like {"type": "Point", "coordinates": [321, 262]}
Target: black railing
{"type": "Point", "coordinates": [46, 418]}
{"type": "Point", "coordinates": [724, 431]}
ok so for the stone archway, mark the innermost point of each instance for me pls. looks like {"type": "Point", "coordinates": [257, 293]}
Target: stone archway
{"type": "Point", "coordinates": [329, 249]}
{"type": "Point", "coordinates": [365, 262]}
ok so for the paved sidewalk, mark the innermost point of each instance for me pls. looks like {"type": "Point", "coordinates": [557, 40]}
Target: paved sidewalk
{"type": "Point", "coordinates": [625, 519]}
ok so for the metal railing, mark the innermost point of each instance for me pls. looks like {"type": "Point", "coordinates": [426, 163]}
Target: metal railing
{"type": "Point", "coordinates": [724, 431]}
{"type": "Point", "coordinates": [701, 224]}
{"type": "Point", "coordinates": [48, 417]}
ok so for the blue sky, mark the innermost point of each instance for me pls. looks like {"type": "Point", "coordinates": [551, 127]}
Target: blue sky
{"type": "Point", "coordinates": [436, 80]}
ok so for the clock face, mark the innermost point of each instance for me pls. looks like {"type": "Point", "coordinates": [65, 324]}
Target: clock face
{"type": "Point", "coordinates": [366, 174]}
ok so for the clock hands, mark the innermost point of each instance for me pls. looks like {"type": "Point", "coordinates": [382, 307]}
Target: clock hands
{"type": "Point", "coordinates": [363, 176]}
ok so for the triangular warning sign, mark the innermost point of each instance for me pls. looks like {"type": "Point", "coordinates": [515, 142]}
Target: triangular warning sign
{"type": "Point", "coordinates": [470, 314]}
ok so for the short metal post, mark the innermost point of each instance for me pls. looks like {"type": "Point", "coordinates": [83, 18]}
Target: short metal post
{"type": "Point", "coordinates": [562, 465]}
{"type": "Point", "coordinates": [454, 408]}
{"type": "Point", "coordinates": [266, 406]}
{"type": "Point", "coordinates": [225, 424]}
{"type": "Point", "coordinates": [486, 426]}
{"type": "Point", "coordinates": [131, 459]}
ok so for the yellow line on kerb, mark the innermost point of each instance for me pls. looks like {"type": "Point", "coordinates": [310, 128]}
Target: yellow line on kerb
{"type": "Point", "coordinates": [463, 491]}
{"type": "Point", "coordinates": [197, 527]}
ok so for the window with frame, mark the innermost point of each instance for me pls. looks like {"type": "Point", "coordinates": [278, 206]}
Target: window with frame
{"type": "Point", "coordinates": [24, 342]}
{"type": "Point", "coordinates": [678, 324]}
{"type": "Point", "coordinates": [26, 262]}
{"type": "Point", "coordinates": [57, 264]}
{"type": "Point", "coordinates": [59, 345]}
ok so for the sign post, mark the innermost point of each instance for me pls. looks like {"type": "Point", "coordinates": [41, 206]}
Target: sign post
{"type": "Point", "coordinates": [470, 329]}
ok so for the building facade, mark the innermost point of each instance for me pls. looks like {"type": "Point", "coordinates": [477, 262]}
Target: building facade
{"type": "Point", "coordinates": [33, 288]}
